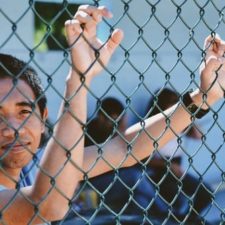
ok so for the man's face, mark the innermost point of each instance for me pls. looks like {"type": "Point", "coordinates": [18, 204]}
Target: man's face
{"type": "Point", "coordinates": [20, 126]}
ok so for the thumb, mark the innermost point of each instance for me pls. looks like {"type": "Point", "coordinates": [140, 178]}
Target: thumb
{"type": "Point", "coordinates": [221, 73]}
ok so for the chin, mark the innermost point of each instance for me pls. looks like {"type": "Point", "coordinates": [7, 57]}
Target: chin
{"type": "Point", "coordinates": [15, 162]}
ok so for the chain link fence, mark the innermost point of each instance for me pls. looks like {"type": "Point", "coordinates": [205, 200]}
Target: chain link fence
{"type": "Point", "coordinates": [162, 49]}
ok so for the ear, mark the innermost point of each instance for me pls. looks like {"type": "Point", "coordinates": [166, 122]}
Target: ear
{"type": "Point", "coordinates": [44, 118]}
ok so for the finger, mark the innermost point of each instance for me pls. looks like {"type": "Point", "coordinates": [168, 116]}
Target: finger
{"type": "Point", "coordinates": [83, 17]}
{"type": "Point", "coordinates": [211, 39]}
{"type": "Point", "coordinates": [215, 44]}
{"type": "Point", "coordinates": [90, 16]}
{"type": "Point", "coordinates": [221, 48]}
{"type": "Point", "coordinates": [221, 61]}
{"type": "Point", "coordinates": [89, 23]}
{"type": "Point", "coordinates": [115, 40]}
{"type": "Point", "coordinates": [221, 76]}
{"type": "Point", "coordinates": [96, 11]}
{"type": "Point", "coordinates": [73, 30]}
{"type": "Point", "coordinates": [97, 16]}
{"type": "Point", "coordinates": [215, 64]}
{"type": "Point", "coordinates": [72, 27]}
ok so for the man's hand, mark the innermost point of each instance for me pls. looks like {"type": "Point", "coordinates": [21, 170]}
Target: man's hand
{"type": "Point", "coordinates": [213, 69]}
{"type": "Point", "coordinates": [89, 55]}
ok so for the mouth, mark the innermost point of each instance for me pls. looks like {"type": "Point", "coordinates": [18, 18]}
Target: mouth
{"type": "Point", "coordinates": [16, 147]}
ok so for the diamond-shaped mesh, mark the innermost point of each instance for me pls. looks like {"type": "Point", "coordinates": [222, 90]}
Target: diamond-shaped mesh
{"type": "Point", "coordinates": [162, 49]}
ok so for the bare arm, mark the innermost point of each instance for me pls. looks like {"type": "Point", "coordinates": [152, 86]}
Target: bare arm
{"type": "Point", "coordinates": [63, 158]}
{"type": "Point", "coordinates": [139, 140]}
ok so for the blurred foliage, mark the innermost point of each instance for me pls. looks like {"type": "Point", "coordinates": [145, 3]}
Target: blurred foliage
{"type": "Point", "coordinates": [49, 24]}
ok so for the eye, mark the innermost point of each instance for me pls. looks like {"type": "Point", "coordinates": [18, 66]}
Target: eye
{"type": "Point", "coordinates": [25, 112]}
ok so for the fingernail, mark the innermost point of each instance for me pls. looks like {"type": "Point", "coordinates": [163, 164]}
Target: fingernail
{"type": "Point", "coordinates": [106, 11]}
{"type": "Point", "coordinates": [99, 18]}
{"type": "Point", "coordinates": [110, 15]}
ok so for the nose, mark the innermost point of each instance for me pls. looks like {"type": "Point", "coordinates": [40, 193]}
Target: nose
{"type": "Point", "coordinates": [12, 129]}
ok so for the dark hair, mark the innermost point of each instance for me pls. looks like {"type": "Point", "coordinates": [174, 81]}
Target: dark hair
{"type": "Point", "coordinates": [111, 106]}
{"type": "Point", "coordinates": [17, 69]}
{"type": "Point", "coordinates": [162, 100]}
{"type": "Point", "coordinates": [104, 126]}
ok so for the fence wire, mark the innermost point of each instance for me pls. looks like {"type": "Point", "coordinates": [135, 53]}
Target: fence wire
{"type": "Point", "coordinates": [167, 51]}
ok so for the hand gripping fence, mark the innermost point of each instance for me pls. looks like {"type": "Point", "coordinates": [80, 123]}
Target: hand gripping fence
{"type": "Point", "coordinates": [162, 49]}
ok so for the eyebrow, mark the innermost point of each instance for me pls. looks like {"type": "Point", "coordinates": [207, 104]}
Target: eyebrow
{"type": "Point", "coordinates": [29, 104]}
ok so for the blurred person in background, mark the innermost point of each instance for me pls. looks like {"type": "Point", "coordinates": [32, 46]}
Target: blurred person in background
{"type": "Point", "coordinates": [109, 121]}
{"type": "Point", "coordinates": [124, 187]}
{"type": "Point", "coordinates": [176, 186]}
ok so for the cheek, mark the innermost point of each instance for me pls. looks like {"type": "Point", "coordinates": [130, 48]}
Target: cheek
{"type": "Point", "coordinates": [36, 128]}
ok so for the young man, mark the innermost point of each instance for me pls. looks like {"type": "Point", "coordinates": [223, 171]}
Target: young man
{"type": "Point", "coordinates": [65, 162]}
{"type": "Point", "coordinates": [101, 127]}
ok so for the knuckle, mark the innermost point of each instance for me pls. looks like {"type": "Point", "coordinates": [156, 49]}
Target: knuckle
{"type": "Point", "coordinates": [67, 23]}
{"type": "Point", "coordinates": [79, 15]}
{"type": "Point", "coordinates": [102, 8]}
{"type": "Point", "coordinates": [83, 7]}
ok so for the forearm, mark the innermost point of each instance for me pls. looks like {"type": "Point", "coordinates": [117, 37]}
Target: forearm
{"type": "Point", "coordinates": [160, 129]}
{"type": "Point", "coordinates": [59, 170]}
{"type": "Point", "coordinates": [68, 136]}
